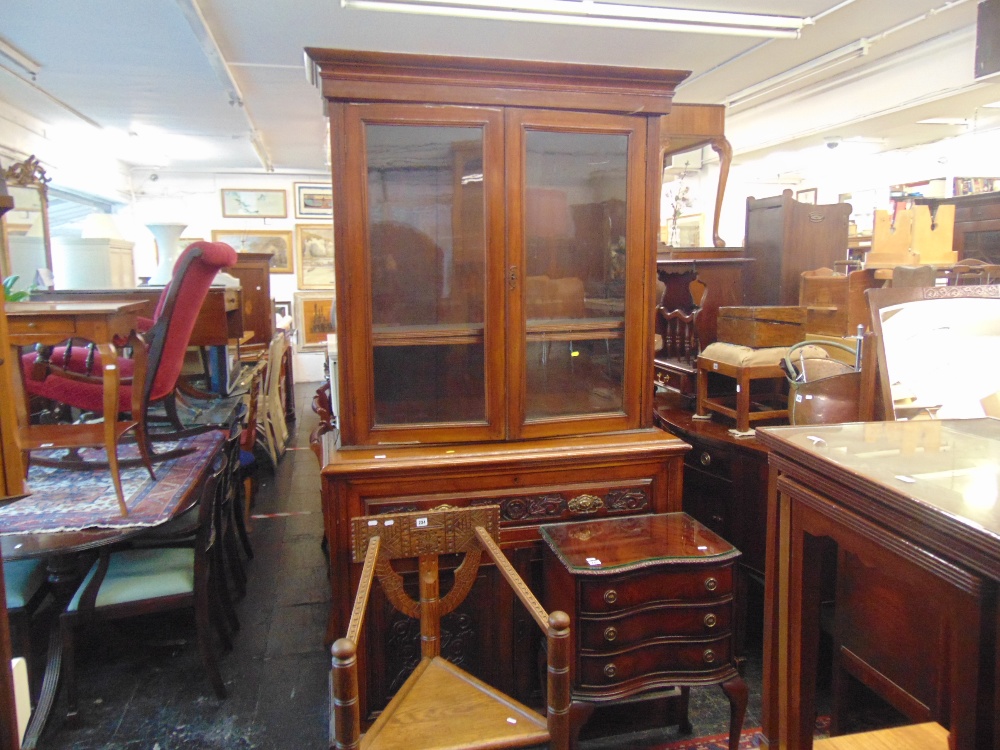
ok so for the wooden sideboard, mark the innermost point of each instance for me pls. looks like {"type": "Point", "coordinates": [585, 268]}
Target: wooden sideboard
{"type": "Point", "coordinates": [219, 323]}
{"type": "Point", "coordinates": [534, 482]}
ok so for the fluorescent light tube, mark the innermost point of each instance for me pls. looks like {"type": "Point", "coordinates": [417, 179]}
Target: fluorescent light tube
{"type": "Point", "coordinates": [599, 14]}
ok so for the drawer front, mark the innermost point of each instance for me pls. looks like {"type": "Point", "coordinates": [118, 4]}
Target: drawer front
{"type": "Point", "coordinates": [41, 324]}
{"type": "Point", "coordinates": [615, 633]}
{"type": "Point", "coordinates": [533, 505]}
{"type": "Point", "coordinates": [687, 657]}
{"type": "Point", "coordinates": [709, 459]}
{"type": "Point", "coordinates": [610, 594]}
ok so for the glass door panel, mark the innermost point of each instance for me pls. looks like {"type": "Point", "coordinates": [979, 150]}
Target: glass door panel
{"type": "Point", "coordinates": [426, 229]}
{"type": "Point", "coordinates": [575, 243]}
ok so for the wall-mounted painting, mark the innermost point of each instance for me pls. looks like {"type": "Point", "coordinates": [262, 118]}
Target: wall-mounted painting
{"type": "Point", "coordinates": [806, 196]}
{"type": "Point", "coordinates": [313, 200]}
{"type": "Point", "coordinates": [278, 244]}
{"type": "Point", "coordinates": [254, 204]}
{"type": "Point", "coordinates": [313, 319]}
{"type": "Point", "coordinates": [314, 247]}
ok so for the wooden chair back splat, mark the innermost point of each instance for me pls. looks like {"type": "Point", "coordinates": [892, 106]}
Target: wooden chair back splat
{"type": "Point", "coordinates": [440, 705]}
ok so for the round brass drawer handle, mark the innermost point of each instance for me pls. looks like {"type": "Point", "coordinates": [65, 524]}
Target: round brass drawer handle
{"type": "Point", "coordinates": [610, 596]}
{"type": "Point", "coordinates": [711, 584]}
{"type": "Point", "coordinates": [610, 670]}
{"type": "Point", "coordinates": [708, 656]}
{"type": "Point", "coordinates": [711, 620]}
{"type": "Point", "coordinates": [705, 459]}
{"type": "Point", "coordinates": [610, 634]}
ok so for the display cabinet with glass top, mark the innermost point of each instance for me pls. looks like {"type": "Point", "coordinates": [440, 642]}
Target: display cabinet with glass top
{"type": "Point", "coordinates": [495, 227]}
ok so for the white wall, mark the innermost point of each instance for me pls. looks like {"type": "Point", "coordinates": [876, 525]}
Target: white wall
{"type": "Point", "coordinates": [196, 200]}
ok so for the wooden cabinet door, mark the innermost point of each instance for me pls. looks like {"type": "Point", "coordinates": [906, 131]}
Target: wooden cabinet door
{"type": "Point", "coordinates": [421, 241]}
{"type": "Point", "coordinates": [577, 271]}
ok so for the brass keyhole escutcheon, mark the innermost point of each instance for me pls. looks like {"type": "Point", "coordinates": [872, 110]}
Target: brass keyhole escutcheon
{"type": "Point", "coordinates": [705, 459]}
{"type": "Point", "coordinates": [708, 656]}
{"type": "Point", "coordinates": [710, 620]}
{"type": "Point", "coordinates": [711, 584]}
{"type": "Point", "coordinates": [610, 596]}
{"type": "Point", "coordinates": [610, 634]}
{"type": "Point", "coordinates": [610, 670]}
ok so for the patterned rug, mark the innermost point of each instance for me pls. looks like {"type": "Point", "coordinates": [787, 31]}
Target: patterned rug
{"type": "Point", "coordinates": [71, 500]}
{"type": "Point", "coordinates": [749, 739]}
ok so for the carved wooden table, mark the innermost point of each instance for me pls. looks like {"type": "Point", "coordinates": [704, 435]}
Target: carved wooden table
{"type": "Point", "coordinates": [915, 501]}
{"type": "Point", "coordinates": [652, 602]}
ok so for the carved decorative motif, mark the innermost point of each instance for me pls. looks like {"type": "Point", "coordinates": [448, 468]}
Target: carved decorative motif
{"type": "Point", "coordinates": [969, 290]}
{"type": "Point", "coordinates": [620, 501]}
{"type": "Point", "coordinates": [28, 173]}
{"type": "Point", "coordinates": [458, 645]}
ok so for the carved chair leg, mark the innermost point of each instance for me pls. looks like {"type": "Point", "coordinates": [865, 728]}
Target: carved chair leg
{"type": "Point", "coordinates": [345, 718]}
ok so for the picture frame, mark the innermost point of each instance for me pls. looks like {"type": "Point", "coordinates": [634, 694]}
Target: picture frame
{"type": "Point", "coordinates": [314, 319]}
{"type": "Point", "coordinates": [254, 204]}
{"type": "Point", "coordinates": [314, 256]}
{"type": "Point", "coordinates": [276, 242]}
{"type": "Point", "coordinates": [313, 200]}
{"type": "Point", "coordinates": [806, 196]}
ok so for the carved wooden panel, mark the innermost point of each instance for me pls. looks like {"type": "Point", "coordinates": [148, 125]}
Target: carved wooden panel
{"type": "Point", "coordinates": [427, 532]}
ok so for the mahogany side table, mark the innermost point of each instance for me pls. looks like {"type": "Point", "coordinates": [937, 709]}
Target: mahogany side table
{"type": "Point", "coordinates": [652, 601]}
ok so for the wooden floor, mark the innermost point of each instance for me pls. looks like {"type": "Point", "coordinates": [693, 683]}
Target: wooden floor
{"type": "Point", "coordinates": [929, 736]}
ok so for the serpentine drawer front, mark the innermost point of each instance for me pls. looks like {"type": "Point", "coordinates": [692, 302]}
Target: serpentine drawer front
{"type": "Point", "coordinates": [651, 605]}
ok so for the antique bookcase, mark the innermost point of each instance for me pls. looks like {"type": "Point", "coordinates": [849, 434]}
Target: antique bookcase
{"type": "Point", "coordinates": [495, 231]}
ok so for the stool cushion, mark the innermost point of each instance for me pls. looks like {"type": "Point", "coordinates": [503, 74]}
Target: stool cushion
{"type": "Point", "coordinates": [22, 579]}
{"type": "Point", "coordinates": [744, 356]}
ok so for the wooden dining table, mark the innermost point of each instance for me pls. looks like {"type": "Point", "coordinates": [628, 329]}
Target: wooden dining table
{"type": "Point", "coordinates": [177, 489]}
{"type": "Point", "coordinates": [52, 323]}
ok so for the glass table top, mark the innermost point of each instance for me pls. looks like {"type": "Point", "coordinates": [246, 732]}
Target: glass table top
{"type": "Point", "coordinates": [951, 466]}
{"type": "Point", "coordinates": [610, 544]}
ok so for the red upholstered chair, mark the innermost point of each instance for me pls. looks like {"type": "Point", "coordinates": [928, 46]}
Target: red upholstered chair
{"type": "Point", "coordinates": [162, 347]}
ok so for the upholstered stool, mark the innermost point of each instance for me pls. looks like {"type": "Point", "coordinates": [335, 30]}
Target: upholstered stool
{"type": "Point", "coordinates": [742, 364]}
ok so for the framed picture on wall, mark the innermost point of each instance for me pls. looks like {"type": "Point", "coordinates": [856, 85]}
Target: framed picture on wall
{"type": "Point", "coordinates": [278, 244]}
{"type": "Point", "coordinates": [313, 200]}
{"type": "Point", "coordinates": [314, 248]}
{"type": "Point", "coordinates": [313, 319]}
{"type": "Point", "coordinates": [806, 196]}
{"type": "Point", "coordinates": [254, 204]}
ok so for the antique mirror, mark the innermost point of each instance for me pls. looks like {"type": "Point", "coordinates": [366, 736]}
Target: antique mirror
{"type": "Point", "coordinates": [938, 351]}
{"type": "Point", "coordinates": [24, 230]}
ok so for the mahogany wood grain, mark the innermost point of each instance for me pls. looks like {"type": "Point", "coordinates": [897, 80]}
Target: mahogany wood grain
{"type": "Point", "coordinates": [615, 574]}
{"type": "Point", "coordinates": [351, 75]}
{"type": "Point", "coordinates": [826, 491]}
{"type": "Point", "coordinates": [535, 481]}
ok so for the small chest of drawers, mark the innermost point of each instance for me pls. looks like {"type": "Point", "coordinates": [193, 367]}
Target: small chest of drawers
{"type": "Point", "coordinates": [652, 606]}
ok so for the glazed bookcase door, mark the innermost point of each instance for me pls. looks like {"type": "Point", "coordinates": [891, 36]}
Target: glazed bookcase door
{"type": "Point", "coordinates": [577, 236]}
{"type": "Point", "coordinates": [424, 263]}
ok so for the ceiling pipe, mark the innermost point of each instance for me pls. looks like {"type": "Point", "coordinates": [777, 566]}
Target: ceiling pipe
{"type": "Point", "coordinates": [213, 53]}
{"type": "Point", "coordinates": [823, 63]}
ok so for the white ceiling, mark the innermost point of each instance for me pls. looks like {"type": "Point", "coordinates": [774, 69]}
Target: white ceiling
{"type": "Point", "coordinates": [138, 67]}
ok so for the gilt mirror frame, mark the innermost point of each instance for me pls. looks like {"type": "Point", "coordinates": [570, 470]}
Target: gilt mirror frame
{"type": "Point", "coordinates": [881, 300]}
{"type": "Point", "coordinates": [22, 178]}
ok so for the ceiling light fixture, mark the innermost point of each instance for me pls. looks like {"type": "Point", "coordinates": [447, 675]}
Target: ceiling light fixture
{"type": "Point", "coordinates": [604, 15]}
{"type": "Point", "coordinates": [943, 121]}
{"type": "Point", "coordinates": [800, 73]}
